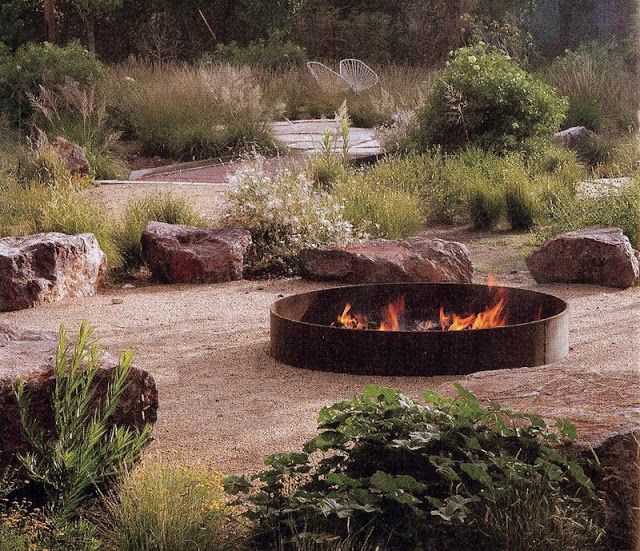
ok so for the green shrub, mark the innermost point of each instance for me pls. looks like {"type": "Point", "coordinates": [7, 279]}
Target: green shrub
{"type": "Point", "coordinates": [41, 165]}
{"type": "Point", "coordinates": [48, 65]}
{"type": "Point", "coordinates": [272, 54]}
{"type": "Point", "coordinates": [128, 232]}
{"type": "Point", "coordinates": [196, 113]}
{"type": "Point", "coordinates": [428, 476]}
{"type": "Point", "coordinates": [565, 213]}
{"type": "Point", "coordinates": [163, 506]}
{"type": "Point", "coordinates": [84, 450]}
{"type": "Point", "coordinates": [284, 214]}
{"type": "Point", "coordinates": [603, 93]}
{"type": "Point", "coordinates": [484, 98]}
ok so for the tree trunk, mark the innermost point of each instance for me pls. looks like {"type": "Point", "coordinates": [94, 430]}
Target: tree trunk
{"type": "Point", "coordinates": [91, 34]}
{"type": "Point", "coordinates": [50, 19]}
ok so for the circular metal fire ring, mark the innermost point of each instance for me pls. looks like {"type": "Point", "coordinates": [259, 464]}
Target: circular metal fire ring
{"type": "Point", "coordinates": [302, 334]}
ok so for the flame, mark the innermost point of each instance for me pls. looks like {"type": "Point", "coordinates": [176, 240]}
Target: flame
{"type": "Point", "coordinates": [357, 321]}
{"type": "Point", "coordinates": [391, 315]}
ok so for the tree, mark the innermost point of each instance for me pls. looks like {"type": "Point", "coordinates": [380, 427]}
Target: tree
{"type": "Point", "coordinates": [88, 9]}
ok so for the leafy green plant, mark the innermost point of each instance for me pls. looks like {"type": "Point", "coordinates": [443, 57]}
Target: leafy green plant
{"type": "Point", "coordinates": [285, 214]}
{"type": "Point", "coordinates": [429, 475]}
{"type": "Point", "coordinates": [484, 98]}
{"type": "Point", "coordinates": [165, 506]}
{"type": "Point", "coordinates": [35, 65]}
{"type": "Point", "coordinates": [127, 233]}
{"type": "Point", "coordinates": [84, 451]}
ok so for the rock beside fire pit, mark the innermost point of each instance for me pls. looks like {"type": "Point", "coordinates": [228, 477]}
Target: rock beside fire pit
{"type": "Point", "coordinates": [185, 254]}
{"type": "Point", "coordinates": [600, 256]}
{"type": "Point", "coordinates": [412, 260]}
{"type": "Point", "coordinates": [48, 267]}
{"type": "Point", "coordinates": [604, 406]}
{"type": "Point", "coordinates": [28, 355]}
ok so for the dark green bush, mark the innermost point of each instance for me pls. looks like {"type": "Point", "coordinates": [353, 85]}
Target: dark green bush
{"type": "Point", "coordinates": [484, 98]}
{"type": "Point", "coordinates": [485, 205]}
{"type": "Point", "coordinates": [520, 207]}
{"type": "Point", "coordinates": [46, 64]}
{"type": "Point", "coordinates": [272, 54]}
{"type": "Point", "coordinates": [428, 476]}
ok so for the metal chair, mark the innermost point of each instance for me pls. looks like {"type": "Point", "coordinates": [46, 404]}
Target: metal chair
{"type": "Point", "coordinates": [358, 74]}
{"type": "Point", "coordinates": [327, 78]}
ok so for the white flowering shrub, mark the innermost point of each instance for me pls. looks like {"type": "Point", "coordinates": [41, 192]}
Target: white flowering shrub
{"type": "Point", "coordinates": [284, 214]}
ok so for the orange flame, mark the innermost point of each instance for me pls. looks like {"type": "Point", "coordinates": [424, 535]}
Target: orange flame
{"type": "Point", "coordinates": [391, 314]}
{"type": "Point", "coordinates": [493, 316]}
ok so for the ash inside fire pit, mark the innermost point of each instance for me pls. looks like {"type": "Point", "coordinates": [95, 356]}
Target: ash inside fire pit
{"type": "Point", "coordinates": [419, 329]}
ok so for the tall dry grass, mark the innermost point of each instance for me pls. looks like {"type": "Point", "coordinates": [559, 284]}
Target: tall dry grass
{"type": "Point", "coordinates": [193, 112]}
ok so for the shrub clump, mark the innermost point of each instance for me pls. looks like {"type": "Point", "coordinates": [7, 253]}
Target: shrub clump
{"type": "Point", "coordinates": [284, 214]}
{"type": "Point", "coordinates": [432, 475]}
{"type": "Point", "coordinates": [484, 98]}
{"type": "Point", "coordinates": [35, 65]}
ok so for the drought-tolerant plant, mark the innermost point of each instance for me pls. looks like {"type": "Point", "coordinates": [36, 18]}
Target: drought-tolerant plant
{"type": "Point", "coordinates": [285, 214]}
{"type": "Point", "coordinates": [521, 208]}
{"type": "Point", "coordinates": [128, 232]}
{"type": "Point", "coordinates": [84, 450]}
{"type": "Point", "coordinates": [379, 211]}
{"type": "Point", "coordinates": [272, 54]}
{"type": "Point", "coordinates": [485, 206]}
{"type": "Point", "coordinates": [483, 98]}
{"type": "Point", "coordinates": [198, 112]}
{"type": "Point", "coordinates": [80, 115]}
{"type": "Point", "coordinates": [34, 65]}
{"type": "Point", "coordinates": [165, 506]}
{"type": "Point", "coordinates": [563, 213]}
{"type": "Point", "coordinates": [603, 92]}
{"type": "Point", "coordinates": [433, 475]}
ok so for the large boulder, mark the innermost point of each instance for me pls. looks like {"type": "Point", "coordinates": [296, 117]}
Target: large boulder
{"type": "Point", "coordinates": [413, 260]}
{"type": "Point", "coordinates": [184, 254]}
{"type": "Point", "coordinates": [574, 137]}
{"type": "Point", "coordinates": [73, 157]}
{"type": "Point", "coordinates": [28, 355]}
{"type": "Point", "coordinates": [600, 256]}
{"type": "Point", "coordinates": [47, 267]}
{"type": "Point", "coordinates": [603, 405]}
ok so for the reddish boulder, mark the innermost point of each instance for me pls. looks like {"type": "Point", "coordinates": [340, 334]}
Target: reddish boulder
{"type": "Point", "coordinates": [600, 256]}
{"type": "Point", "coordinates": [184, 254]}
{"type": "Point", "coordinates": [603, 405]}
{"type": "Point", "coordinates": [73, 157]}
{"type": "Point", "coordinates": [412, 260]}
{"type": "Point", "coordinates": [28, 355]}
{"type": "Point", "coordinates": [48, 267]}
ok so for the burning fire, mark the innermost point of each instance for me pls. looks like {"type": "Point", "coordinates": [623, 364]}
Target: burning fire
{"type": "Point", "coordinates": [392, 316]}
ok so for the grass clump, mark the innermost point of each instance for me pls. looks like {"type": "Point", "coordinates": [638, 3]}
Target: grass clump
{"type": "Point", "coordinates": [602, 91]}
{"type": "Point", "coordinates": [127, 233]}
{"type": "Point", "coordinates": [431, 475]}
{"type": "Point", "coordinates": [164, 506]}
{"type": "Point", "coordinates": [197, 112]}
{"type": "Point", "coordinates": [284, 214]}
{"type": "Point", "coordinates": [566, 213]}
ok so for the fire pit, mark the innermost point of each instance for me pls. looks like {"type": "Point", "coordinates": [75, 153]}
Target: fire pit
{"type": "Point", "coordinates": [419, 329]}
